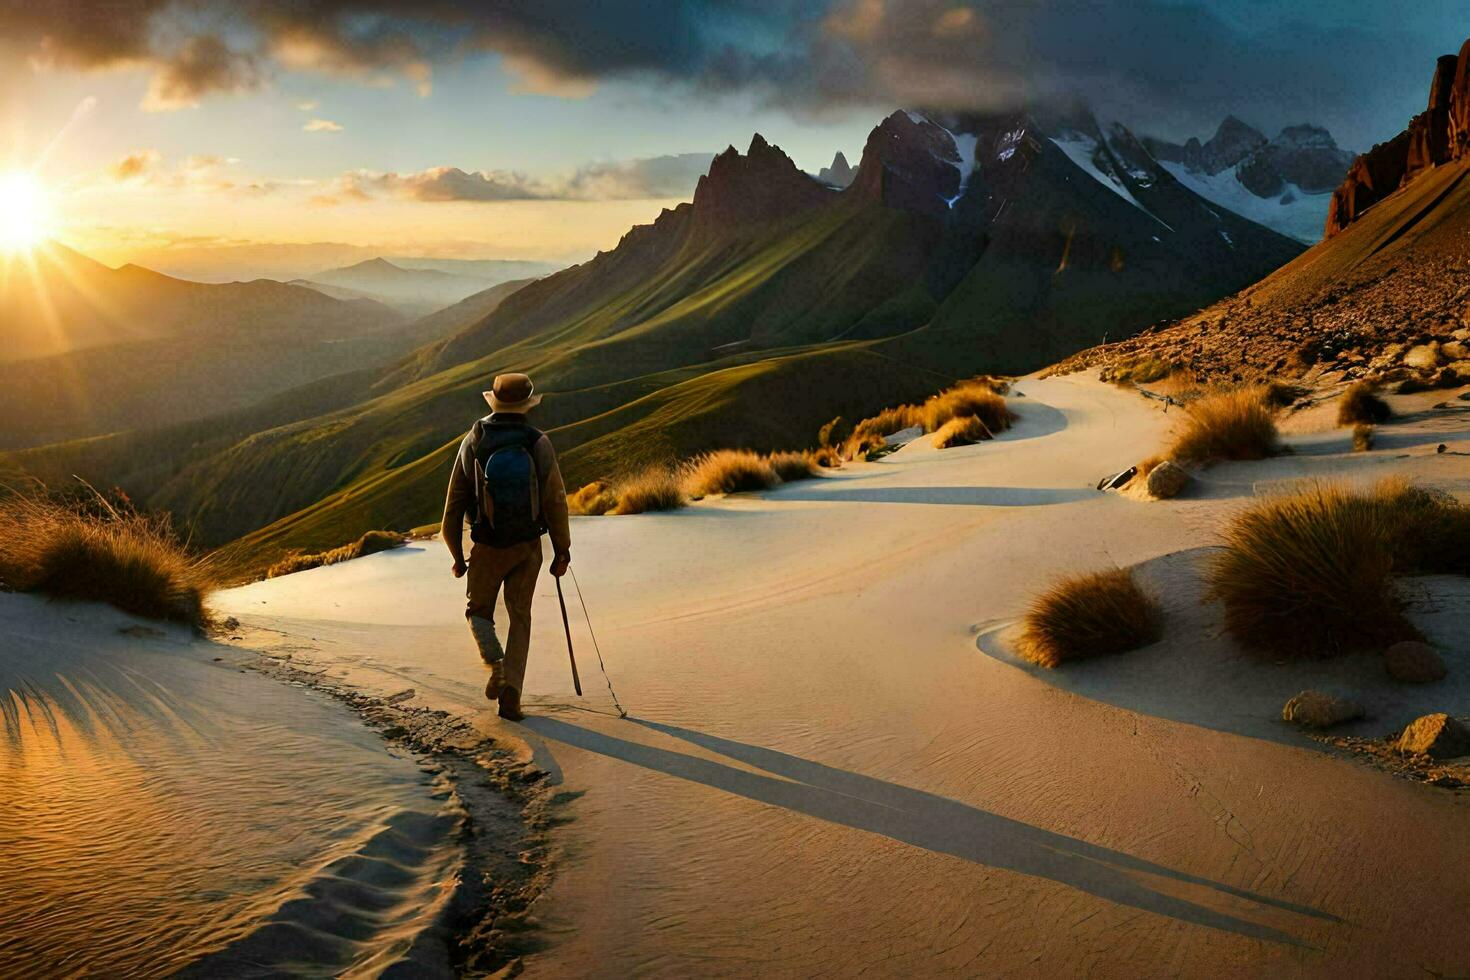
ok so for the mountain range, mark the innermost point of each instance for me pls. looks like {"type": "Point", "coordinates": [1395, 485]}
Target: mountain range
{"type": "Point", "coordinates": [415, 291]}
{"type": "Point", "coordinates": [1284, 183]}
{"type": "Point", "coordinates": [92, 350]}
{"type": "Point", "coordinates": [747, 316]}
{"type": "Point", "coordinates": [1386, 295]}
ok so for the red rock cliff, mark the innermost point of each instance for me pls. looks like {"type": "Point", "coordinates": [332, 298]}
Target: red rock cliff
{"type": "Point", "coordinates": [1437, 135]}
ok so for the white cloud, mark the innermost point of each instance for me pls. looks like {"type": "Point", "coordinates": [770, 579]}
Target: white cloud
{"type": "Point", "coordinates": [322, 126]}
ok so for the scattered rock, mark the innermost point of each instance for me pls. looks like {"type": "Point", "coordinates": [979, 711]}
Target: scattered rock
{"type": "Point", "coordinates": [1314, 709]}
{"type": "Point", "coordinates": [1167, 480]}
{"type": "Point", "coordinates": [1414, 663]}
{"type": "Point", "coordinates": [1425, 357]}
{"type": "Point", "coordinates": [1438, 736]}
{"type": "Point", "coordinates": [1441, 448]}
{"type": "Point", "coordinates": [230, 625]}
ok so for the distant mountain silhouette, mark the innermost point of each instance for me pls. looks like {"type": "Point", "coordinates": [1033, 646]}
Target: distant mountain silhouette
{"type": "Point", "coordinates": [413, 292]}
{"type": "Point", "coordinates": [91, 349]}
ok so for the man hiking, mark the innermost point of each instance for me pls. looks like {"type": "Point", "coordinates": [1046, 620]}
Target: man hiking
{"type": "Point", "coordinates": [507, 479]}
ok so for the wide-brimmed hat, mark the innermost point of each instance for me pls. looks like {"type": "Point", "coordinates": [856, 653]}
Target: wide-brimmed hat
{"type": "Point", "coordinates": [513, 393]}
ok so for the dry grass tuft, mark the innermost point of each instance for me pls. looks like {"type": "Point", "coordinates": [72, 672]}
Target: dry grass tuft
{"type": "Point", "coordinates": [1360, 403]}
{"type": "Point", "coordinates": [980, 397]}
{"type": "Point", "coordinates": [1227, 425]}
{"type": "Point", "coordinates": [1138, 371]}
{"type": "Point", "coordinates": [1089, 615]}
{"type": "Point", "coordinates": [656, 488]}
{"type": "Point", "coordinates": [118, 556]}
{"type": "Point", "coordinates": [728, 471]}
{"type": "Point", "coordinates": [790, 467]}
{"type": "Point", "coordinates": [1308, 574]}
{"type": "Point", "coordinates": [827, 457]}
{"type": "Point", "coordinates": [964, 430]}
{"type": "Point", "coordinates": [968, 399]}
{"type": "Point", "coordinates": [593, 500]}
{"type": "Point", "coordinates": [1362, 438]}
{"type": "Point", "coordinates": [370, 543]}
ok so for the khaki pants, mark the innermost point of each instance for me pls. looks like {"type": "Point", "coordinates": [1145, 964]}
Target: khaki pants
{"type": "Point", "coordinates": [516, 568]}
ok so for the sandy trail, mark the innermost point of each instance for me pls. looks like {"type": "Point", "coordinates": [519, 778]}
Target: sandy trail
{"type": "Point", "coordinates": [822, 775]}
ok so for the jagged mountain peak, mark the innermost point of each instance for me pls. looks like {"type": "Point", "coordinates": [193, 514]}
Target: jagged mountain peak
{"type": "Point", "coordinates": [760, 185]}
{"type": "Point", "coordinates": [839, 174]}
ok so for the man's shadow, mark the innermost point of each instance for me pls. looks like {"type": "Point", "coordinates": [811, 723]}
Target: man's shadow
{"type": "Point", "coordinates": [932, 822]}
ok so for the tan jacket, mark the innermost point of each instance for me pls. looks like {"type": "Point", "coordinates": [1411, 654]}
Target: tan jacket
{"type": "Point", "coordinates": [461, 497]}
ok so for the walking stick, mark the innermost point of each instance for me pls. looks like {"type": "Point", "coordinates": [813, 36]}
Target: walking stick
{"type": "Point", "coordinates": [576, 681]}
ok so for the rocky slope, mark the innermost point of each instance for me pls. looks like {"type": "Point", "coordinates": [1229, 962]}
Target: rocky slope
{"type": "Point", "coordinates": [1282, 183]}
{"type": "Point", "coordinates": [1440, 134]}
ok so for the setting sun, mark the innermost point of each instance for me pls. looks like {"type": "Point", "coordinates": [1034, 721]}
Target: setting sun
{"type": "Point", "coordinates": [24, 211]}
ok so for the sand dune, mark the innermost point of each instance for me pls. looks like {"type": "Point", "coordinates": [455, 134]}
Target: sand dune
{"type": "Point", "coordinates": [164, 810]}
{"type": "Point", "coordinates": [821, 773]}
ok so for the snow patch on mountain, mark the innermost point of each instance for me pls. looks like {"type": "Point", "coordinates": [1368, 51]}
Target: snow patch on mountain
{"type": "Point", "coordinates": [1082, 150]}
{"type": "Point", "coordinates": [1294, 212]}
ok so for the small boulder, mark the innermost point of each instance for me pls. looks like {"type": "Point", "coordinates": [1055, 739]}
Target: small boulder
{"type": "Point", "coordinates": [1438, 736]}
{"type": "Point", "coordinates": [1167, 480]}
{"type": "Point", "coordinates": [1425, 357]}
{"type": "Point", "coordinates": [1314, 709]}
{"type": "Point", "coordinates": [1414, 663]}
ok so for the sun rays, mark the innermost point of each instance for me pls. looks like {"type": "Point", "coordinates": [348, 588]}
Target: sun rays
{"type": "Point", "coordinates": [25, 211]}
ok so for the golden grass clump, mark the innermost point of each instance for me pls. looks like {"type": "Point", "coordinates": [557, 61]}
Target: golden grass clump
{"type": "Point", "coordinates": [656, 488]}
{"type": "Point", "coordinates": [1362, 437]}
{"type": "Point", "coordinates": [370, 543]}
{"type": "Point", "coordinates": [827, 457]}
{"type": "Point", "coordinates": [790, 467]}
{"type": "Point", "coordinates": [968, 399]}
{"type": "Point", "coordinates": [1309, 574]}
{"type": "Point", "coordinates": [593, 500]}
{"type": "Point", "coordinates": [1360, 403]}
{"type": "Point", "coordinates": [1089, 615]}
{"type": "Point", "coordinates": [963, 430]}
{"type": "Point", "coordinates": [1234, 424]}
{"type": "Point", "coordinates": [728, 471]}
{"type": "Point", "coordinates": [129, 560]}
{"type": "Point", "coordinates": [1140, 370]}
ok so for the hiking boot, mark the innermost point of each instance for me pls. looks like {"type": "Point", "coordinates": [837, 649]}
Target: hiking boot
{"type": "Point", "coordinates": [496, 683]}
{"type": "Point", "coordinates": [510, 705]}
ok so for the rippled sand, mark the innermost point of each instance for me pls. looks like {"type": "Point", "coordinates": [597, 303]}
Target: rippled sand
{"type": "Point", "coordinates": [159, 809]}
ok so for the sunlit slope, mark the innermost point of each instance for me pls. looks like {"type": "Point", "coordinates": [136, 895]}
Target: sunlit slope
{"type": "Point", "coordinates": [773, 402]}
{"type": "Point", "coordinates": [778, 287]}
{"type": "Point", "coordinates": [1425, 222]}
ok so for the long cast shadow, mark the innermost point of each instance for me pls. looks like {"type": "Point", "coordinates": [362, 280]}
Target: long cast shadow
{"type": "Point", "coordinates": [925, 820]}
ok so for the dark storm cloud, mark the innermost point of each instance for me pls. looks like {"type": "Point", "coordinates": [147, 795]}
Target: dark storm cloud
{"type": "Point", "coordinates": [1165, 66]}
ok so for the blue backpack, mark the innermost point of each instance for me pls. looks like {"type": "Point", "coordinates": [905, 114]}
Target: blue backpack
{"type": "Point", "coordinates": [507, 486]}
